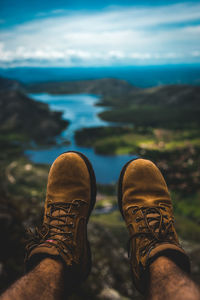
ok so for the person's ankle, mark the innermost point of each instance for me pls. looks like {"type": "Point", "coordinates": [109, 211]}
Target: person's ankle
{"type": "Point", "coordinates": [162, 264]}
{"type": "Point", "coordinates": [48, 264]}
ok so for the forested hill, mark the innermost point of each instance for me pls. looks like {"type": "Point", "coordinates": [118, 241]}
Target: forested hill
{"type": "Point", "coordinates": [169, 106]}
{"type": "Point", "coordinates": [168, 95]}
{"type": "Point", "coordinates": [117, 92]}
{"type": "Point", "coordinates": [9, 84]}
{"type": "Point", "coordinates": [23, 116]}
{"type": "Point", "coordinates": [174, 106]}
{"type": "Point", "coordinates": [104, 87]}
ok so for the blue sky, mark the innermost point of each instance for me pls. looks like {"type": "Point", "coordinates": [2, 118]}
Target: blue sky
{"type": "Point", "coordinates": [98, 33]}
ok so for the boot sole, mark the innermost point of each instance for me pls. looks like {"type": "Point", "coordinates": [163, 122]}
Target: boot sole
{"type": "Point", "coordinates": [120, 182]}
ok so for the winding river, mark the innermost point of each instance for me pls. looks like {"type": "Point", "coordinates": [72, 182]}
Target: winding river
{"type": "Point", "coordinates": [81, 111]}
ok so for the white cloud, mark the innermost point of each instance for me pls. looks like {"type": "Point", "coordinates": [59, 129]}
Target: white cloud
{"type": "Point", "coordinates": [58, 11]}
{"type": "Point", "coordinates": [114, 36]}
{"type": "Point", "coordinates": [196, 54]}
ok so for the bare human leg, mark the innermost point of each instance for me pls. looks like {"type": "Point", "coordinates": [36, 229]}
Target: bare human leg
{"type": "Point", "coordinates": [168, 281]}
{"type": "Point", "coordinates": [45, 281]}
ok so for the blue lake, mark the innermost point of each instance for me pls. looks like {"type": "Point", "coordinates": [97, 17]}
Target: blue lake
{"type": "Point", "coordinates": [81, 111]}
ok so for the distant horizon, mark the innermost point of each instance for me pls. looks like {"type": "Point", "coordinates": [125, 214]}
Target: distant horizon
{"type": "Point", "coordinates": [141, 76]}
{"type": "Point", "coordinates": [105, 67]}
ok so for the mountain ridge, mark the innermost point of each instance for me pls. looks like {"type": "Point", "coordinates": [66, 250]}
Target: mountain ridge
{"type": "Point", "coordinates": [117, 92]}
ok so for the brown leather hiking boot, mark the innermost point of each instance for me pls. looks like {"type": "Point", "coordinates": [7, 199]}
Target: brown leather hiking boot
{"type": "Point", "coordinates": [145, 204]}
{"type": "Point", "coordinates": [70, 197]}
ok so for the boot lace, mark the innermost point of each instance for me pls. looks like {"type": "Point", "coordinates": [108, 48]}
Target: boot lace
{"type": "Point", "coordinates": [49, 231]}
{"type": "Point", "coordinates": [157, 227]}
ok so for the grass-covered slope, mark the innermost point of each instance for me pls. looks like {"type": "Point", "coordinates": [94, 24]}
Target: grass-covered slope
{"type": "Point", "coordinates": [130, 140]}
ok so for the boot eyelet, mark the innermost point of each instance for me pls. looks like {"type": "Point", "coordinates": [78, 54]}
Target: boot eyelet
{"type": "Point", "coordinates": [77, 204]}
{"type": "Point", "coordinates": [141, 252]}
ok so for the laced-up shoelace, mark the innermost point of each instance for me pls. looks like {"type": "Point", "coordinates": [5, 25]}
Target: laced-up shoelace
{"type": "Point", "coordinates": [159, 230]}
{"type": "Point", "coordinates": [49, 231]}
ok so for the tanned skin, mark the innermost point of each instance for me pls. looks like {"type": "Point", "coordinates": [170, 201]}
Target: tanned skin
{"type": "Point", "coordinates": [45, 281]}
{"type": "Point", "coordinates": [168, 282]}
